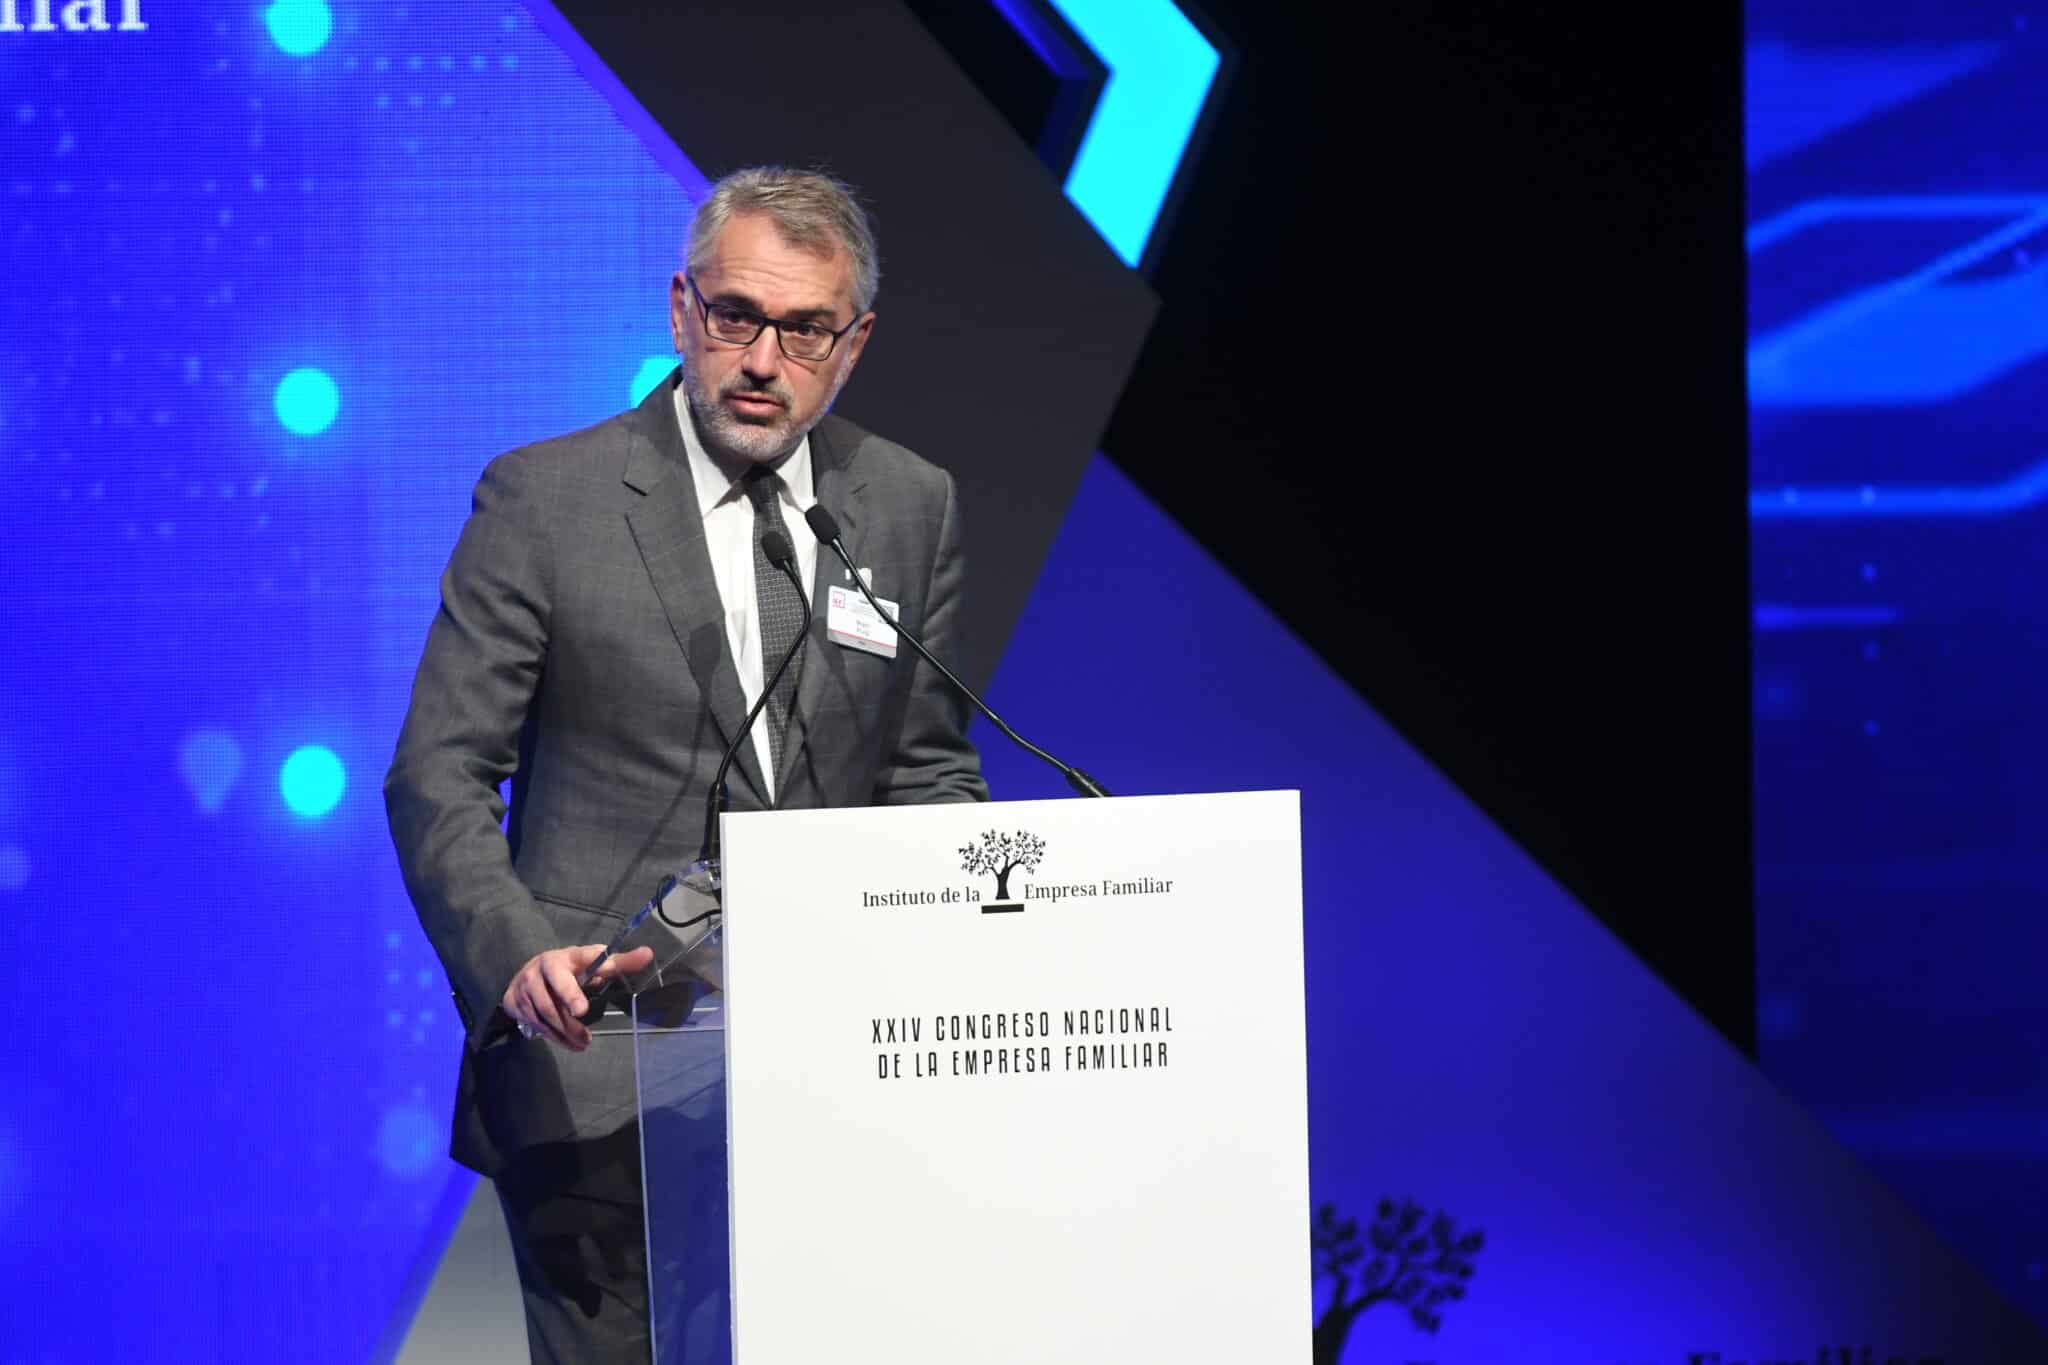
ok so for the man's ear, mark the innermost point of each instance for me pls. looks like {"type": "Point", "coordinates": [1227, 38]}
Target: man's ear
{"type": "Point", "coordinates": [678, 308]}
{"type": "Point", "coordinates": [857, 340]}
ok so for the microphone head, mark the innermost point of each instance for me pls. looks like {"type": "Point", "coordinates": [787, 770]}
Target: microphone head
{"type": "Point", "coordinates": [776, 546]}
{"type": "Point", "coordinates": [822, 524]}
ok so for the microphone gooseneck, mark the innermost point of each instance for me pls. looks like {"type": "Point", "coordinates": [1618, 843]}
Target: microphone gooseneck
{"type": "Point", "coordinates": [826, 528]}
{"type": "Point", "coordinates": [776, 547]}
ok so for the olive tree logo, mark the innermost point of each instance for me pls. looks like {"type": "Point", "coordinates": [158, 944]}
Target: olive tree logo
{"type": "Point", "coordinates": [1422, 1266]}
{"type": "Point", "coordinates": [998, 855]}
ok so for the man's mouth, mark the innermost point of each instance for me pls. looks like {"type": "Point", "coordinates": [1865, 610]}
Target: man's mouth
{"type": "Point", "coordinates": [757, 404]}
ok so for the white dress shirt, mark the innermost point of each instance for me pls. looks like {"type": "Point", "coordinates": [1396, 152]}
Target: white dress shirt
{"type": "Point", "coordinates": [729, 537]}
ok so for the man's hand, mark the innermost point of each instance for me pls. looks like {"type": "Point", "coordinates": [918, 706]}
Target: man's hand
{"type": "Point", "coordinates": [544, 995]}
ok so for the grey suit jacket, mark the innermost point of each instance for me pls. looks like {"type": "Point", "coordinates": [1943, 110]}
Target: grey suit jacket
{"type": "Point", "coordinates": [580, 653]}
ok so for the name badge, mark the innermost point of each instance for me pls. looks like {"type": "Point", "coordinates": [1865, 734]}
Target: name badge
{"type": "Point", "coordinates": [851, 621]}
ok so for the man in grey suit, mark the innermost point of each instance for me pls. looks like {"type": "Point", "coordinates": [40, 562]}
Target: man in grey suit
{"type": "Point", "coordinates": [605, 623]}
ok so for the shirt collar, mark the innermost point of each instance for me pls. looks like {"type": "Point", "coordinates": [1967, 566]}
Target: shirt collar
{"type": "Point", "coordinates": [715, 486]}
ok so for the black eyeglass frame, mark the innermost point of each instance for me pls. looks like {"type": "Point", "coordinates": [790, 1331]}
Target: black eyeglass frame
{"type": "Point", "coordinates": [763, 323]}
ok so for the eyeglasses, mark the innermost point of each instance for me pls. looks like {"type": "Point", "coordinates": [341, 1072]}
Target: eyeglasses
{"type": "Point", "coordinates": [809, 341]}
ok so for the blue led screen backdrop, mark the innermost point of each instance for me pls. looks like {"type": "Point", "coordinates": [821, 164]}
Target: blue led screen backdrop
{"type": "Point", "coordinates": [278, 282]}
{"type": "Point", "coordinates": [1897, 236]}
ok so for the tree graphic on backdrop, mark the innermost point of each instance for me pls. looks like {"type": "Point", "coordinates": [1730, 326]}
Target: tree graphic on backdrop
{"type": "Point", "coordinates": [998, 855]}
{"type": "Point", "coordinates": [1400, 1260]}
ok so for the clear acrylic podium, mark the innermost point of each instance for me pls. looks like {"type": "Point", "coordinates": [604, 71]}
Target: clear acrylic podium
{"type": "Point", "coordinates": [675, 1013]}
{"type": "Point", "coordinates": [679, 1068]}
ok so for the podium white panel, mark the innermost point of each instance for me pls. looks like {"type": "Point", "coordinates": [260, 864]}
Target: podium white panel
{"type": "Point", "coordinates": [1070, 1130]}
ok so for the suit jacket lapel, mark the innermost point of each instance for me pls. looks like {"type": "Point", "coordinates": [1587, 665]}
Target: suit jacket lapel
{"type": "Point", "coordinates": [841, 489]}
{"type": "Point", "coordinates": [668, 528]}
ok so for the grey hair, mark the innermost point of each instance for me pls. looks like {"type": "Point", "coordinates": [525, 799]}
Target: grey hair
{"type": "Point", "coordinates": [812, 210]}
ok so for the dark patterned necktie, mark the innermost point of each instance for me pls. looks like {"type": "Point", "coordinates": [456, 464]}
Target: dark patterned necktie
{"type": "Point", "coordinates": [781, 610]}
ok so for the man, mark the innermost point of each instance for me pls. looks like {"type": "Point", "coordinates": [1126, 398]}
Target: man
{"type": "Point", "coordinates": [607, 618]}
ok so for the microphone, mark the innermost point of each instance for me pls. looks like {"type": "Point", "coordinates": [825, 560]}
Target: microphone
{"type": "Point", "coordinates": [826, 528]}
{"type": "Point", "coordinates": [775, 545]}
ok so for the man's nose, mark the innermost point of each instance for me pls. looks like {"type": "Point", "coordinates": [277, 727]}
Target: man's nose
{"type": "Point", "coordinates": [763, 359]}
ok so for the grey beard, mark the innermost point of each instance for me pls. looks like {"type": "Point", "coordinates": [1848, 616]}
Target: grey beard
{"type": "Point", "coordinates": [727, 436]}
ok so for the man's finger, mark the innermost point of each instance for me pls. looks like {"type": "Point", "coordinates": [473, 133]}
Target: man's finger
{"type": "Point", "coordinates": [561, 979]}
{"type": "Point", "coordinates": [569, 999]}
{"type": "Point", "coordinates": [539, 1006]}
{"type": "Point", "coordinates": [624, 964]}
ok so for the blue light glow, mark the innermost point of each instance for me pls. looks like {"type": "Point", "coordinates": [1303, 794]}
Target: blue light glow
{"type": "Point", "coordinates": [1794, 97]}
{"type": "Point", "coordinates": [408, 1140]}
{"type": "Point", "coordinates": [307, 401]}
{"type": "Point", "coordinates": [2028, 488]}
{"type": "Point", "coordinates": [1929, 334]}
{"type": "Point", "coordinates": [312, 781]}
{"type": "Point", "coordinates": [1787, 616]}
{"type": "Point", "coordinates": [1160, 72]}
{"type": "Point", "coordinates": [300, 27]}
{"type": "Point", "coordinates": [13, 867]}
{"type": "Point", "coordinates": [211, 763]}
{"type": "Point", "coordinates": [652, 371]}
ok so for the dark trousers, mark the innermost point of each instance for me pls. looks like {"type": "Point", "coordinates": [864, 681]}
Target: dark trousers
{"type": "Point", "coordinates": [578, 1238]}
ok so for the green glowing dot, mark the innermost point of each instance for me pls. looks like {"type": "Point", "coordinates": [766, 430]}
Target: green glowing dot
{"type": "Point", "coordinates": [312, 780]}
{"type": "Point", "coordinates": [300, 27]}
{"type": "Point", "coordinates": [307, 402]}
